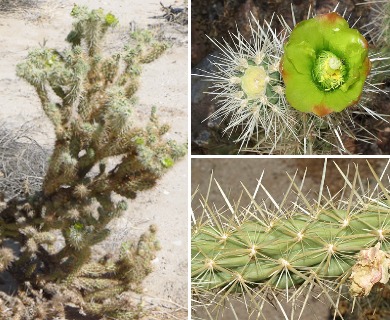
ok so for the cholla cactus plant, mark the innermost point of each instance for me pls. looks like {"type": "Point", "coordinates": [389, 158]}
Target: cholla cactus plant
{"type": "Point", "coordinates": [273, 91]}
{"type": "Point", "coordinates": [269, 253]}
{"type": "Point", "coordinates": [89, 98]}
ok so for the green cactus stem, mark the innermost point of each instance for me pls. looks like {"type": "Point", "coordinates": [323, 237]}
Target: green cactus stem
{"type": "Point", "coordinates": [324, 245]}
{"type": "Point", "coordinates": [286, 252]}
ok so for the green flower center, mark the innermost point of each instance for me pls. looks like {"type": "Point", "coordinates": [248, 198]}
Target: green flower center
{"type": "Point", "coordinates": [329, 71]}
{"type": "Point", "coordinates": [254, 82]}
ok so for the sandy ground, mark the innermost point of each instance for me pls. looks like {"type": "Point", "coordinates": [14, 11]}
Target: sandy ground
{"type": "Point", "coordinates": [163, 84]}
{"type": "Point", "coordinates": [230, 173]}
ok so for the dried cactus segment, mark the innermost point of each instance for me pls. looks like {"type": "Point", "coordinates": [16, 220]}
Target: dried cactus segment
{"type": "Point", "coordinates": [6, 258]}
{"type": "Point", "coordinates": [81, 191]}
{"type": "Point", "coordinates": [372, 266]}
{"type": "Point", "coordinates": [135, 261]}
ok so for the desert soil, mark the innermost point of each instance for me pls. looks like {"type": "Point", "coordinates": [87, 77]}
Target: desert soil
{"type": "Point", "coordinates": [163, 84]}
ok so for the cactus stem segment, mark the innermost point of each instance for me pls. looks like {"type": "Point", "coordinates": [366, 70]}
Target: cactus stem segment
{"type": "Point", "coordinates": [328, 245]}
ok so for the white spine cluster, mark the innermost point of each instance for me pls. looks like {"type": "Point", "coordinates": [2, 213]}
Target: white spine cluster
{"type": "Point", "coordinates": [247, 84]}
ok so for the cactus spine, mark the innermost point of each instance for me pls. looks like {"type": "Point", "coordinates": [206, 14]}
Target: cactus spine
{"type": "Point", "coordinates": [379, 27]}
{"type": "Point", "coordinates": [379, 31]}
{"type": "Point", "coordinates": [260, 251]}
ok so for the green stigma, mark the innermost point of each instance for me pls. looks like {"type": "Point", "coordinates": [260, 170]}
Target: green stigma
{"type": "Point", "coordinates": [329, 71]}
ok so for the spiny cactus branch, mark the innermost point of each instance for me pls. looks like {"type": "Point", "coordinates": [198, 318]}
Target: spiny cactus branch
{"type": "Point", "coordinates": [330, 245]}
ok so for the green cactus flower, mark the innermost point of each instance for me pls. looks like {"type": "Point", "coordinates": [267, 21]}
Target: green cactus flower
{"type": "Point", "coordinates": [111, 19]}
{"type": "Point", "coordinates": [325, 65]}
{"type": "Point", "coordinates": [167, 162]}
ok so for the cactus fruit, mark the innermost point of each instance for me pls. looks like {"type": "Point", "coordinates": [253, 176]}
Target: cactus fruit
{"type": "Point", "coordinates": [279, 93]}
{"type": "Point", "coordinates": [267, 250]}
{"type": "Point", "coordinates": [100, 148]}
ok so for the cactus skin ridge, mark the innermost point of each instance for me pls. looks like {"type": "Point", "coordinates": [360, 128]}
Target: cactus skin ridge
{"type": "Point", "coordinates": [288, 251]}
